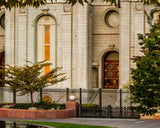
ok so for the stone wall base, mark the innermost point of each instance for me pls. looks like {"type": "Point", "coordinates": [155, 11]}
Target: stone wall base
{"type": "Point", "coordinates": [69, 112]}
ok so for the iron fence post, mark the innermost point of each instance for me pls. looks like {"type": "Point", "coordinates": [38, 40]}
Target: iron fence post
{"type": "Point", "coordinates": [100, 101]}
{"type": "Point", "coordinates": [14, 96]}
{"type": "Point", "coordinates": [80, 102]}
{"type": "Point", "coordinates": [120, 102]}
{"type": "Point", "coordinates": [67, 94]}
{"type": "Point", "coordinates": [14, 125]}
{"type": "Point", "coordinates": [109, 111]}
{"type": "Point", "coordinates": [40, 94]}
{"type": "Point", "coordinates": [132, 115]}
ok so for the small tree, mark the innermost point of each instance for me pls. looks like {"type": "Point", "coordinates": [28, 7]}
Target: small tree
{"type": "Point", "coordinates": [31, 78]}
{"type": "Point", "coordinates": [145, 90]}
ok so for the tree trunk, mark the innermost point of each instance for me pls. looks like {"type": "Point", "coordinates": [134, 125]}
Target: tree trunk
{"type": "Point", "coordinates": [31, 97]}
{"type": "Point", "coordinates": [14, 96]}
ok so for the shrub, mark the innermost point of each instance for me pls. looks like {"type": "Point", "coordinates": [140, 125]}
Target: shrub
{"type": "Point", "coordinates": [89, 105]}
{"type": "Point", "coordinates": [39, 105]}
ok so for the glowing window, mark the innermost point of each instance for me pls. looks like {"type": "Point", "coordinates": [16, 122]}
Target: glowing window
{"type": "Point", "coordinates": [46, 41]}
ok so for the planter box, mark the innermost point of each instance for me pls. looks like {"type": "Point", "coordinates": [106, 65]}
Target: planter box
{"type": "Point", "coordinates": [155, 116]}
{"type": "Point", "coordinates": [69, 112]}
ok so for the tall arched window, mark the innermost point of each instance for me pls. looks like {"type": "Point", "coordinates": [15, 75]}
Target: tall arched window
{"type": "Point", "coordinates": [46, 41]}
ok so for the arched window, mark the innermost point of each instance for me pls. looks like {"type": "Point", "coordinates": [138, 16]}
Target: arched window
{"type": "Point", "coordinates": [46, 41]}
{"type": "Point", "coordinates": [111, 70]}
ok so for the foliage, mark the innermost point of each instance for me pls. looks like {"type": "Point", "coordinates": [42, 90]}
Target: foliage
{"type": "Point", "coordinates": [48, 105]}
{"type": "Point", "coordinates": [42, 105]}
{"type": "Point", "coordinates": [65, 125]}
{"type": "Point", "coordinates": [21, 3]}
{"type": "Point", "coordinates": [145, 90]}
{"type": "Point", "coordinates": [32, 108]}
{"type": "Point", "coordinates": [6, 106]}
{"type": "Point", "coordinates": [36, 3]}
{"type": "Point", "coordinates": [30, 78]}
{"type": "Point", "coordinates": [89, 105]}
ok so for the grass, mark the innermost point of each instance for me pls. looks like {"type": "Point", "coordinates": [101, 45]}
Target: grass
{"type": "Point", "coordinates": [64, 125]}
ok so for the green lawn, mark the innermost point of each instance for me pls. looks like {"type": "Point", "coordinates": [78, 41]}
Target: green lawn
{"type": "Point", "coordinates": [65, 125]}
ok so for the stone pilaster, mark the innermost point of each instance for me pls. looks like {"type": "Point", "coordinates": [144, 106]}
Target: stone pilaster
{"type": "Point", "coordinates": [82, 41]}
{"type": "Point", "coordinates": [80, 47]}
{"type": "Point", "coordinates": [21, 37]}
{"type": "Point", "coordinates": [66, 45]}
{"type": "Point", "coordinates": [124, 44]}
{"type": "Point", "coordinates": [139, 25]}
{"type": "Point", "coordinates": [10, 38]}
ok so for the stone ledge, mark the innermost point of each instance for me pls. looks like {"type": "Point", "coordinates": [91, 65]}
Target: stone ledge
{"type": "Point", "coordinates": [40, 114]}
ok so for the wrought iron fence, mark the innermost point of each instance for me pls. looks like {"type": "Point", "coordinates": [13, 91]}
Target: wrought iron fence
{"type": "Point", "coordinates": [113, 103]}
{"type": "Point", "coordinates": [109, 112]}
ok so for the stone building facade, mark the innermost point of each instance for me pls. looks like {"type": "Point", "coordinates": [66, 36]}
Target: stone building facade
{"type": "Point", "coordinates": [93, 43]}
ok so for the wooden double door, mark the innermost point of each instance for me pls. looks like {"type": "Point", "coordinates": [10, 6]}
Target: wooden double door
{"type": "Point", "coordinates": [111, 74]}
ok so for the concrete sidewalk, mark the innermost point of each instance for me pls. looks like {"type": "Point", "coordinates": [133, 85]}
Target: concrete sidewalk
{"type": "Point", "coordinates": [119, 123]}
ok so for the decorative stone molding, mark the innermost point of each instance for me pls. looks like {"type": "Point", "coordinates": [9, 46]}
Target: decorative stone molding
{"type": "Point", "coordinates": [155, 17]}
{"type": "Point", "coordinates": [22, 10]}
{"type": "Point", "coordinates": [94, 65]}
{"type": "Point", "coordinates": [90, 10]}
{"type": "Point", "coordinates": [111, 17]}
{"type": "Point", "coordinates": [139, 6]}
{"type": "Point", "coordinates": [47, 20]}
{"type": "Point", "coordinates": [67, 8]}
{"type": "Point", "coordinates": [45, 9]}
{"type": "Point", "coordinates": [2, 9]}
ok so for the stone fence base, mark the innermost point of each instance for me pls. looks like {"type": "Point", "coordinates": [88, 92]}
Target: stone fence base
{"type": "Point", "coordinates": [69, 112]}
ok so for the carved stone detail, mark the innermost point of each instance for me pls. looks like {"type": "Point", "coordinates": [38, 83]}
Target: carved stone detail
{"type": "Point", "coordinates": [139, 6]}
{"type": "Point", "coordinates": [67, 7]}
{"type": "Point", "coordinates": [90, 10]}
{"type": "Point", "coordinates": [22, 10]}
{"type": "Point", "coordinates": [2, 9]}
{"type": "Point", "coordinates": [47, 20]}
{"type": "Point", "coordinates": [156, 17]}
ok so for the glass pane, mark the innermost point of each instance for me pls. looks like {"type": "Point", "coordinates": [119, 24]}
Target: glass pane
{"type": "Point", "coordinates": [47, 47]}
{"type": "Point", "coordinates": [47, 52]}
{"type": "Point", "coordinates": [47, 35]}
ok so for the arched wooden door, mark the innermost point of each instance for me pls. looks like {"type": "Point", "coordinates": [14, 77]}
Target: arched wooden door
{"type": "Point", "coordinates": [2, 63]}
{"type": "Point", "coordinates": [111, 71]}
